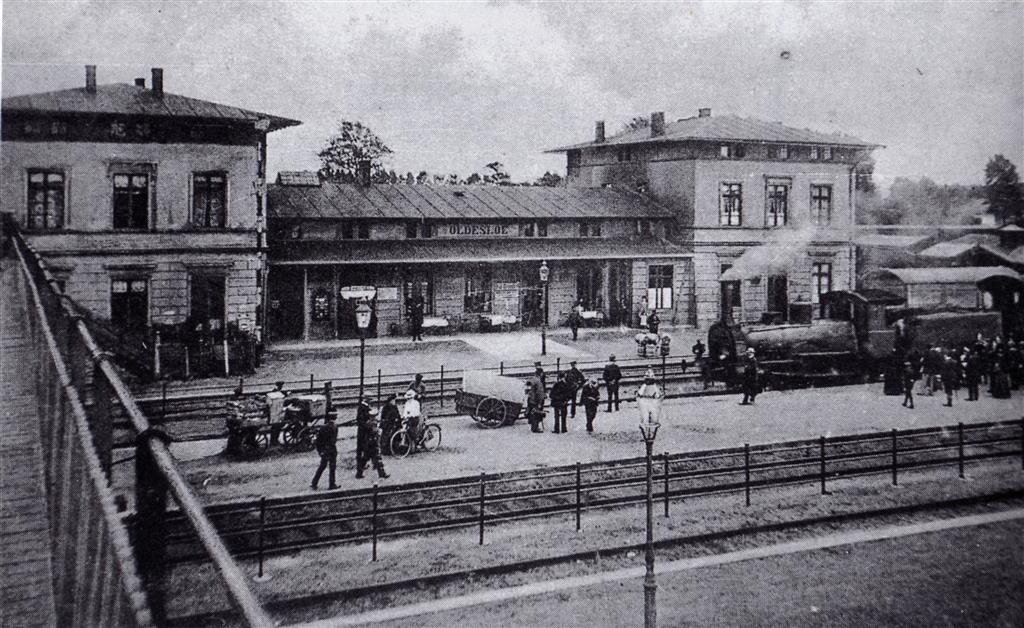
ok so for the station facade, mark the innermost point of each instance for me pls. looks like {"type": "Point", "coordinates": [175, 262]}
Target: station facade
{"type": "Point", "coordinates": [149, 207]}
{"type": "Point", "coordinates": [766, 210]}
{"type": "Point", "coordinates": [472, 252]}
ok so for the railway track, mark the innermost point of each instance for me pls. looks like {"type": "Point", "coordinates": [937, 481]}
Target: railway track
{"type": "Point", "coordinates": [300, 522]}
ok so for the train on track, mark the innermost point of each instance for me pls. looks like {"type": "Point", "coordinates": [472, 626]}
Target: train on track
{"type": "Point", "coordinates": [856, 339]}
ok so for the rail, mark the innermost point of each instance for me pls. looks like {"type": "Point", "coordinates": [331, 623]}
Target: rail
{"type": "Point", "coordinates": [96, 574]}
{"type": "Point", "coordinates": [295, 523]}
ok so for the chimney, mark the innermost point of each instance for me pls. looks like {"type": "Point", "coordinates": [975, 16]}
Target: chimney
{"type": "Point", "coordinates": [158, 82]}
{"type": "Point", "coordinates": [599, 131]}
{"type": "Point", "coordinates": [704, 112]}
{"type": "Point", "coordinates": [363, 173]}
{"type": "Point", "coordinates": [140, 82]}
{"type": "Point", "coordinates": [657, 123]}
{"type": "Point", "coordinates": [90, 79]}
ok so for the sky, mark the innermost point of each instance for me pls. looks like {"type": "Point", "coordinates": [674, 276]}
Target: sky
{"type": "Point", "coordinates": [451, 87]}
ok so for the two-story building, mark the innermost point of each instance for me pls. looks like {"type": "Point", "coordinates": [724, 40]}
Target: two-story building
{"type": "Point", "coordinates": [473, 252]}
{"type": "Point", "coordinates": [148, 206]}
{"type": "Point", "coordinates": [765, 210]}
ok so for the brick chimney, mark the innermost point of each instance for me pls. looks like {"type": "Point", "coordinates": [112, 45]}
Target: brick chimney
{"type": "Point", "coordinates": [90, 79]}
{"type": "Point", "coordinates": [657, 123]}
{"type": "Point", "coordinates": [363, 173]}
{"type": "Point", "coordinates": [704, 112]}
{"type": "Point", "coordinates": [140, 82]}
{"type": "Point", "coordinates": [599, 131]}
{"type": "Point", "coordinates": [158, 82]}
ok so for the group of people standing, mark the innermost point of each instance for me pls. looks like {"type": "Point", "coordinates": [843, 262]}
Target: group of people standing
{"type": "Point", "coordinates": [994, 363]}
{"type": "Point", "coordinates": [571, 389]}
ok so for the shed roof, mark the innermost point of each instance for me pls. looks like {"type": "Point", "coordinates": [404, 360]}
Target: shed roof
{"type": "Point", "coordinates": [439, 250]}
{"type": "Point", "coordinates": [947, 250]}
{"type": "Point", "coordinates": [122, 98]}
{"type": "Point", "coordinates": [298, 177]}
{"type": "Point", "coordinates": [446, 202]}
{"type": "Point", "coordinates": [725, 127]}
{"type": "Point", "coordinates": [894, 241]}
{"type": "Point", "coordinates": [964, 274]}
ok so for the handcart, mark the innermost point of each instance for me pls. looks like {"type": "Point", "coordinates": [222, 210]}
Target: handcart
{"type": "Point", "coordinates": [492, 400]}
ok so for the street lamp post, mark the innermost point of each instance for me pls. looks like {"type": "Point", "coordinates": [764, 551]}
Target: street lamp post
{"type": "Point", "coordinates": [650, 411]}
{"type": "Point", "coordinates": [544, 275]}
{"type": "Point", "coordinates": [363, 312]}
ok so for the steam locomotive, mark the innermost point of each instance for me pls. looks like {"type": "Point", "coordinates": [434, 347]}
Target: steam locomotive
{"type": "Point", "coordinates": [857, 337]}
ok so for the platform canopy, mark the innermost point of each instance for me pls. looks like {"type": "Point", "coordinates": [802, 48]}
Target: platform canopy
{"type": "Point", "coordinates": [963, 274]}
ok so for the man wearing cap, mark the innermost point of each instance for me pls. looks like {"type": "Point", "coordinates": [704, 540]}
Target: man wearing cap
{"type": "Point", "coordinates": [575, 379]}
{"type": "Point", "coordinates": [538, 370]}
{"type": "Point", "coordinates": [327, 446]}
{"type": "Point", "coordinates": [367, 439]}
{"type": "Point", "coordinates": [535, 403]}
{"type": "Point", "coordinates": [390, 422]}
{"type": "Point", "coordinates": [611, 376]}
{"type": "Point", "coordinates": [749, 378]}
{"type": "Point", "coordinates": [560, 394]}
{"type": "Point", "coordinates": [590, 397]}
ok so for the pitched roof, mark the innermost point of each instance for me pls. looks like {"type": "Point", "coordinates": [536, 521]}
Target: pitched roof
{"type": "Point", "coordinates": [298, 177]}
{"type": "Point", "coordinates": [440, 250]}
{"type": "Point", "coordinates": [446, 202]}
{"type": "Point", "coordinates": [963, 274]}
{"type": "Point", "coordinates": [882, 240]}
{"type": "Point", "coordinates": [122, 98]}
{"type": "Point", "coordinates": [727, 127]}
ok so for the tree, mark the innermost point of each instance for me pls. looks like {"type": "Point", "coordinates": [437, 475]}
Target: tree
{"type": "Point", "coordinates": [474, 179]}
{"type": "Point", "coordinates": [353, 142]}
{"type": "Point", "coordinates": [636, 123]}
{"type": "Point", "coordinates": [549, 179]}
{"type": "Point", "coordinates": [497, 174]}
{"type": "Point", "coordinates": [1002, 189]}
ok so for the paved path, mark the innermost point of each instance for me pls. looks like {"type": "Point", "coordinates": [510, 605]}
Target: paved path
{"type": "Point", "coordinates": [26, 597]}
{"type": "Point", "coordinates": [570, 584]}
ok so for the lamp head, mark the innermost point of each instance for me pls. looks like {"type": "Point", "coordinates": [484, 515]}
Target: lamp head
{"type": "Point", "coordinates": [363, 311]}
{"type": "Point", "coordinates": [544, 271]}
{"type": "Point", "coordinates": [649, 429]}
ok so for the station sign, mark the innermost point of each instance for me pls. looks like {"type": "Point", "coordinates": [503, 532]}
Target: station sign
{"type": "Point", "coordinates": [358, 292]}
{"type": "Point", "coordinates": [465, 230]}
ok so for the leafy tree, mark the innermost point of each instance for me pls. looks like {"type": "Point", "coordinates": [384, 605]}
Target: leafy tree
{"type": "Point", "coordinates": [636, 123]}
{"type": "Point", "coordinates": [422, 178]}
{"type": "Point", "coordinates": [549, 179]}
{"type": "Point", "coordinates": [409, 179]}
{"type": "Point", "coordinates": [1003, 190]}
{"type": "Point", "coordinates": [352, 143]}
{"type": "Point", "coordinates": [497, 175]}
{"type": "Point", "coordinates": [474, 179]}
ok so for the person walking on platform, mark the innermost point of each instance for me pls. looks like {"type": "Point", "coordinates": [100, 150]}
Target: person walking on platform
{"type": "Point", "coordinates": [611, 376]}
{"type": "Point", "coordinates": [590, 397]}
{"type": "Point", "coordinates": [575, 379]}
{"type": "Point", "coordinates": [909, 375]}
{"type": "Point", "coordinates": [327, 446]}
{"type": "Point", "coordinates": [560, 393]}
{"type": "Point", "coordinates": [750, 378]}
{"type": "Point", "coordinates": [367, 440]}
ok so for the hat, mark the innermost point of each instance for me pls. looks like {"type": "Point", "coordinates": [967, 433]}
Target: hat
{"type": "Point", "coordinates": [410, 394]}
{"type": "Point", "coordinates": [279, 384]}
{"type": "Point", "coordinates": [649, 375]}
{"type": "Point", "coordinates": [750, 350]}
{"type": "Point", "coordinates": [572, 362]}
{"type": "Point", "coordinates": [611, 358]}
{"type": "Point", "coordinates": [537, 365]}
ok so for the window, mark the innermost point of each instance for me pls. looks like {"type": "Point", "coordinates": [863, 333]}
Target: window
{"type": "Point", "coordinates": [659, 286]}
{"type": "Point", "coordinates": [778, 152]}
{"type": "Point", "coordinates": [725, 151]}
{"type": "Point", "coordinates": [814, 152]}
{"type": "Point", "coordinates": [533, 229]}
{"type": "Point", "coordinates": [821, 204]}
{"type": "Point", "coordinates": [422, 284]}
{"type": "Point", "coordinates": [129, 303]}
{"type": "Point", "coordinates": [410, 230]}
{"type": "Point", "coordinates": [624, 154]}
{"type": "Point", "coordinates": [826, 153]}
{"type": "Point", "coordinates": [643, 227]}
{"type": "Point", "coordinates": [344, 231]}
{"type": "Point", "coordinates": [526, 230]}
{"type": "Point", "coordinates": [478, 291]}
{"type": "Point", "coordinates": [821, 280]}
{"type": "Point", "coordinates": [731, 151]}
{"type": "Point", "coordinates": [574, 159]}
{"type": "Point", "coordinates": [777, 200]}
{"type": "Point", "coordinates": [45, 199]}
{"type": "Point", "coordinates": [364, 230]}
{"type": "Point", "coordinates": [209, 199]}
{"type": "Point", "coordinates": [730, 295]}
{"type": "Point", "coordinates": [131, 201]}
{"type": "Point", "coordinates": [542, 229]}
{"type": "Point", "coordinates": [731, 205]}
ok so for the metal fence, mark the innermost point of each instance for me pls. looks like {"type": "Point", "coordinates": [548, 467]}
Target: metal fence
{"type": "Point", "coordinates": [100, 577]}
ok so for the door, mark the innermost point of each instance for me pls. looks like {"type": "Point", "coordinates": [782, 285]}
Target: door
{"type": "Point", "coordinates": [206, 307]}
{"type": "Point", "coordinates": [531, 302]}
{"type": "Point", "coordinates": [284, 306]}
{"type": "Point", "coordinates": [778, 298]}
{"type": "Point", "coordinates": [620, 293]}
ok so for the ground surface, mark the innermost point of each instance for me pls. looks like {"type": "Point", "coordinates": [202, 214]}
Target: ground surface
{"type": "Point", "coordinates": [687, 425]}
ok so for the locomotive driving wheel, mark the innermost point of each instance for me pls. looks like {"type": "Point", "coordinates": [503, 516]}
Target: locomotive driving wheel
{"type": "Point", "coordinates": [491, 412]}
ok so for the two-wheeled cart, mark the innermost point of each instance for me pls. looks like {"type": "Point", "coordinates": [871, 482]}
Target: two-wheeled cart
{"type": "Point", "coordinates": [492, 400]}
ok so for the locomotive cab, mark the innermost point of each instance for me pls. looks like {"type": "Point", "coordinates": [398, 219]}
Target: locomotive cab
{"type": "Point", "coordinates": [867, 311]}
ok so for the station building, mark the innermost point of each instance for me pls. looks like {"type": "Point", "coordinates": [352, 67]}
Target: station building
{"type": "Point", "coordinates": [148, 206]}
{"type": "Point", "coordinates": [765, 210]}
{"type": "Point", "coordinates": [472, 252]}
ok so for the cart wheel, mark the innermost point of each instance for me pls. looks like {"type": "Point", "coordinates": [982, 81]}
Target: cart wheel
{"type": "Point", "coordinates": [490, 412]}
{"type": "Point", "coordinates": [305, 438]}
{"type": "Point", "coordinates": [431, 437]}
{"type": "Point", "coordinates": [262, 440]}
{"type": "Point", "coordinates": [290, 434]}
{"type": "Point", "coordinates": [401, 444]}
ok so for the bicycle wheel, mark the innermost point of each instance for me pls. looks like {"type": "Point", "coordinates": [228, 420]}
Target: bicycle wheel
{"type": "Point", "coordinates": [431, 438]}
{"type": "Point", "coordinates": [401, 444]}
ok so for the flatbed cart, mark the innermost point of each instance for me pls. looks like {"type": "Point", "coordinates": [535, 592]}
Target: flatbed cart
{"type": "Point", "coordinates": [492, 400]}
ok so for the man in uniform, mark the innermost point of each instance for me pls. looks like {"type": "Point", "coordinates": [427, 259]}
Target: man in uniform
{"type": "Point", "coordinates": [749, 378]}
{"type": "Point", "coordinates": [390, 422]}
{"type": "Point", "coordinates": [367, 440]}
{"type": "Point", "coordinates": [560, 394]}
{"type": "Point", "coordinates": [611, 376]}
{"type": "Point", "coordinates": [327, 447]}
{"type": "Point", "coordinates": [590, 397]}
{"type": "Point", "coordinates": [535, 403]}
{"type": "Point", "coordinates": [575, 379]}
{"type": "Point", "coordinates": [417, 305]}
{"type": "Point", "coordinates": [950, 372]}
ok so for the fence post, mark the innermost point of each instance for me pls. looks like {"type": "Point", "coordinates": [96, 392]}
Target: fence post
{"type": "Point", "coordinates": [442, 386]}
{"type": "Point", "coordinates": [481, 508]}
{"type": "Point", "coordinates": [666, 483]}
{"type": "Point", "coordinates": [558, 366]}
{"type": "Point", "coordinates": [960, 447]}
{"type": "Point", "coordinates": [310, 382]}
{"type": "Point", "coordinates": [156, 354]}
{"type": "Point", "coordinates": [663, 359]}
{"type": "Point", "coordinates": [746, 470]}
{"type": "Point", "coordinates": [821, 447]}
{"type": "Point", "coordinates": [895, 480]}
{"type": "Point", "coordinates": [241, 384]}
{"type": "Point", "coordinates": [378, 385]}
{"type": "Point", "coordinates": [373, 523]}
{"type": "Point", "coordinates": [1022, 444]}
{"type": "Point", "coordinates": [263, 522]}
{"type": "Point", "coordinates": [501, 367]}
{"type": "Point", "coordinates": [163, 403]}
{"type": "Point", "coordinates": [188, 370]}
{"type": "Point", "coordinates": [227, 358]}
{"type": "Point", "coordinates": [578, 492]}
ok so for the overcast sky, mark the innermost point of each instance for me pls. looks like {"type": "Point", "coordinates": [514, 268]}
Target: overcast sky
{"type": "Point", "coordinates": [450, 87]}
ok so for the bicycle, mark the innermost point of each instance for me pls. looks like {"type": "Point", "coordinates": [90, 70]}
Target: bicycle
{"type": "Point", "coordinates": [402, 443]}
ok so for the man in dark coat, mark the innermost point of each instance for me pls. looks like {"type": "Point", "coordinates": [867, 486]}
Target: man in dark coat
{"type": "Point", "coordinates": [575, 318]}
{"type": "Point", "coordinates": [611, 376]}
{"type": "Point", "coordinates": [327, 447]}
{"type": "Point", "coordinates": [950, 372]}
{"type": "Point", "coordinates": [560, 393]}
{"type": "Point", "coordinates": [908, 376]}
{"type": "Point", "coordinates": [416, 308]}
{"type": "Point", "coordinates": [653, 322]}
{"type": "Point", "coordinates": [972, 375]}
{"type": "Point", "coordinates": [750, 383]}
{"type": "Point", "coordinates": [390, 422]}
{"type": "Point", "coordinates": [575, 379]}
{"type": "Point", "coordinates": [367, 440]}
{"type": "Point", "coordinates": [535, 403]}
{"type": "Point", "coordinates": [590, 397]}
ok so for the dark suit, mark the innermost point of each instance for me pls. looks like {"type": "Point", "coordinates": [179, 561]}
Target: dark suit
{"type": "Point", "coordinates": [367, 442]}
{"type": "Point", "coordinates": [560, 394]}
{"type": "Point", "coordinates": [590, 397]}
{"type": "Point", "coordinates": [327, 447]}
{"type": "Point", "coordinates": [611, 376]}
{"type": "Point", "coordinates": [575, 379]}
